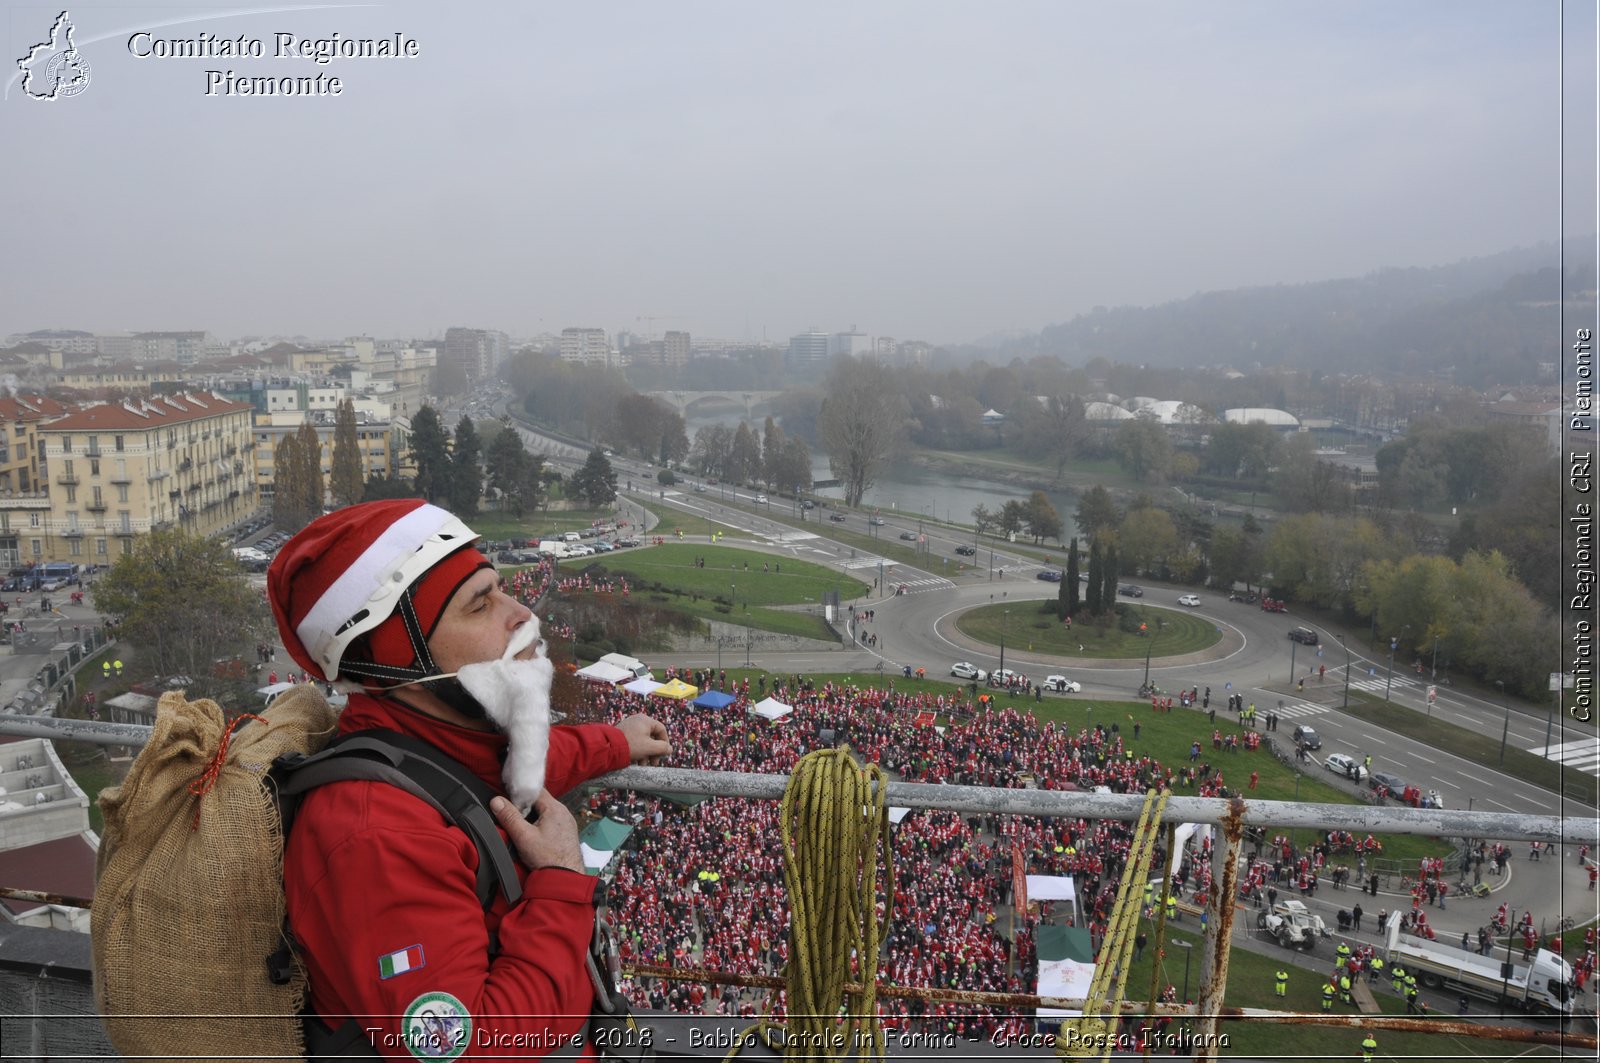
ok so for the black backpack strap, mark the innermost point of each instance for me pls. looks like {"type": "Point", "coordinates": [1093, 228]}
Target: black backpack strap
{"type": "Point", "coordinates": [421, 770]}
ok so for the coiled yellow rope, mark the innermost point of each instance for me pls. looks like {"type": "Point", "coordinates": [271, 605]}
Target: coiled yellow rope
{"type": "Point", "coordinates": [834, 817]}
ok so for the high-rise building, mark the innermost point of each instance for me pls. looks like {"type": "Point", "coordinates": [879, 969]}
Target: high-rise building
{"type": "Point", "coordinates": [852, 343]}
{"type": "Point", "coordinates": [478, 352]}
{"type": "Point", "coordinates": [676, 353]}
{"type": "Point", "coordinates": [807, 350]}
{"type": "Point", "coordinates": [585, 346]}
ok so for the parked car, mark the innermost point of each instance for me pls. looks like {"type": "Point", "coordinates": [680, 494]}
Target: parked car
{"type": "Point", "coordinates": [1346, 765]}
{"type": "Point", "coordinates": [838, 518]}
{"type": "Point", "coordinates": [967, 670]}
{"type": "Point", "coordinates": [1308, 737]}
{"type": "Point", "coordinates": [1049, 575]}
{"type": "Point", "coordinates": [1305, 636]}
{"type": "Point", "coordinates": [909, 537]}
{"type": "Point", "coordinates": [967, 551]}
{"type": "Point", "coordinates": [1191, 600]}
{"type": "Point", "coordinates": [1392, 783]}
{"type": "Point", "coordinates": [1128, 590]}
{"type": "Point", "coordinates": [1238, 596]}
{"type": "Point", "coordinates": [761, 500]}
{"type": "Point", "coordinates": [1002, 676]}
{"type": "Point", "coordinates": [1062, 685]}
{"type": "Point", "coordinates": [808, 504]}
{"type": "Point", "coordinates": [627, 542]}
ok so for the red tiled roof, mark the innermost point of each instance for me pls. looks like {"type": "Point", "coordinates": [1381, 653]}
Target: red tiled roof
{"type": "Point", "coordinates": [64, 866]}
{"type": "Point", "coordinates": [30, 408]}
{"type": "Point", "coordinates": [153, 413]}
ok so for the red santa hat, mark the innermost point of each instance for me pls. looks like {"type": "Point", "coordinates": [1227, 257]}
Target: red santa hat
{"type": "Point", "coordinates": [350, 572]}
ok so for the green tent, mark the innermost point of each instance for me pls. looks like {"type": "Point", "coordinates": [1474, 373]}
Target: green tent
{"type": "Point", "coordinates": [600, 840]}
{"type": "Point", "coordinates": [1064, 943]}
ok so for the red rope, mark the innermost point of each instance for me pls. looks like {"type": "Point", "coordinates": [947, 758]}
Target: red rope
{"type": "Point", "coordinates": [203, 785]}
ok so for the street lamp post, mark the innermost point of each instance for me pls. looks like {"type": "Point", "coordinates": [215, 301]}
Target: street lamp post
{"type": "Point", "coordinates": [1394, 640]}
{"type": "Point", "coordinates": [1188, 950]}
{"type": "Point", "coordinates": [1161, 625]}
{"type": "Point", "coordinates": [1346, 646]}
{"type": "Point", "coordinates": [1435, 658]}
{"type": "Point", "coordinates": [1505, 731]}
{"type": "Point", "coordinates": [1005, 615]}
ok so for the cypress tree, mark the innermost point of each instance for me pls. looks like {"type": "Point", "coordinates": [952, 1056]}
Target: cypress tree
{"type": "Point", "coordinates": [1095, 588]}
{"type": "Point", "coordinates": [345, 481]}
{"type": "Point", "coordinates": [1108, 573]}
{"type": "Point", "coordinates": [308, 448]}
{"type": "Point", "coordinates": [1069, 583]}
{"type": "Point", "coordinates": [288, 509]}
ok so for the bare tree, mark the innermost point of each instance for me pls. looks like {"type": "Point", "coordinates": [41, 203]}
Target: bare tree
{"type": "Point", "coordinates": [860, 423]}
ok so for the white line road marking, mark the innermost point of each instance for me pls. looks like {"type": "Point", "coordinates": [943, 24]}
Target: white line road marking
{"type": "Point", "coordinates": [1426, 760]}
{"type": "Point", "coordinates": [1492, 801]}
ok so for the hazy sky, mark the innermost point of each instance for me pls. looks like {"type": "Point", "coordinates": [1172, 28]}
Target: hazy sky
{"type": "Point", "coordinates": [921, 170]}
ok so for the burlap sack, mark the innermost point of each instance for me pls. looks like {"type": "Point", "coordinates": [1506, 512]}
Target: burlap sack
{"type": "Point", "coordinates": [187, 909]}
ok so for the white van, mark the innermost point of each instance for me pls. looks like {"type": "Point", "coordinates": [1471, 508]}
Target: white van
{"type": "Point", "coordinates": [553, 548]}
{"type": "Point", "coordinates": [632, 665]}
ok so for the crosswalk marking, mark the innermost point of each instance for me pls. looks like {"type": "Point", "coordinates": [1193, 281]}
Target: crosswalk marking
{"type": "Point", "coordinates": [1301, 708]}
{"type": "Point", "coordinates": [1377, 683]}
{"type": "Point", "coordinates": [1582, 755]}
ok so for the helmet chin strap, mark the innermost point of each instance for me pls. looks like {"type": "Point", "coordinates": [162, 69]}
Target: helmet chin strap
{"type": "Point", "coordinates": [425, 673]}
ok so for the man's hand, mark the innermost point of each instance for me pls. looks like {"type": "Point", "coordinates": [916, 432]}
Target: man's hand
{"type": "Point", "coordinates": [551, 840]}
{"type": "Point", "coordinates": [647, 739]}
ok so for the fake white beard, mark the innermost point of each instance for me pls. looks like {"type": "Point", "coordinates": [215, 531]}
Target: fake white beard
{"type": "Point", "coordinates": [516, 696]}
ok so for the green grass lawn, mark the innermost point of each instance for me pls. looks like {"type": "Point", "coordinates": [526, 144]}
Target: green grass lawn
{"type": "Point", "coordinates": [538, 524]}
{"type": "Point", "coordinates": [732, 586]}
{"type": "Point", "coordinates": [1027, 625]}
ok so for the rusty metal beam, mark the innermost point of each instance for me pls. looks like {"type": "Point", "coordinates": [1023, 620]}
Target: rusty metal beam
{"type": "Point", "coordinates": [1214, 955]}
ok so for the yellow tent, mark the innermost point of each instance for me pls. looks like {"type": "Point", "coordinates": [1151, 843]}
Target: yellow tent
{"type": "Point", "coordinates": [677, 690]}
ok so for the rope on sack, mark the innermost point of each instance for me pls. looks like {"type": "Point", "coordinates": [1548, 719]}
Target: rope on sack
{"type": "Point", "coordinates": [834, 817]}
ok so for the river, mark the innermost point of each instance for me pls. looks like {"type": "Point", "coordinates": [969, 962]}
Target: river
{"type": "Point", "coordinates": [905, 487]}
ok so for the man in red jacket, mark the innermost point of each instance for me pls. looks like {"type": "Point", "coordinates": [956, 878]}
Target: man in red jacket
{"type": "Point", "coordinates": [391, 601]}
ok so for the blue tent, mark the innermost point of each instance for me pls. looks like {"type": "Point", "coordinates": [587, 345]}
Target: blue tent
{"type": "Point", "coordinates": [713, 699]}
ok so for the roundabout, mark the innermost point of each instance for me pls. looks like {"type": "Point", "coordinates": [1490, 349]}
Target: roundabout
{"type": "Point", "coordinates": [1129, 634]}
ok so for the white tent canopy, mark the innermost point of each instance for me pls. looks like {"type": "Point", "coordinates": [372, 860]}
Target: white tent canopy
{"type": "Point", "coordinates": [1051, 888]}
{"type": "Point", "coordinates": [1063, 978]}
{"type": "Point", "coordinates": [601, 672]}
{"type": "Point", "coordinates": [771, 709]}
{"type": "Point", "coordinates": [645, 687]}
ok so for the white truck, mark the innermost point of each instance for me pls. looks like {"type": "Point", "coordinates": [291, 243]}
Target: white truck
{"type": "Point", "coordinates": [555, 548]}
{"type": "Point", "coordinates": [1544, 984]}
{"type": "Point", "coordinates": [632, 665]}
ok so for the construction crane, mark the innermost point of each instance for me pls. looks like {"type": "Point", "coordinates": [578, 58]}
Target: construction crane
{"type": "Point", "coordinates": [652, 319]}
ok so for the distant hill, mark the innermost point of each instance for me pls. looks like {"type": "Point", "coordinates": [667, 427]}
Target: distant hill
{"type": "Point", "coordinates": [1486, 320]}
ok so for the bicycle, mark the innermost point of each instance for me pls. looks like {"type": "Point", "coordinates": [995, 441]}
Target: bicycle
{"type": "Point", "coordinates": [1565, 923]}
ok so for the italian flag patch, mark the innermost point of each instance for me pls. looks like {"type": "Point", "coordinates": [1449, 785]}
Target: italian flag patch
{"type": "Point", "coordinates": [400, 962]}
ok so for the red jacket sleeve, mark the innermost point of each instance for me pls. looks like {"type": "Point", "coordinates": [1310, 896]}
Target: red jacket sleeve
{"type": "Point", "coordinates": [583, 752]}
{"type": "Point", "coordinates": [382, 901]}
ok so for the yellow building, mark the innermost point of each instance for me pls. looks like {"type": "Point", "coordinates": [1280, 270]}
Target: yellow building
{"type": "Point", "coordinates": [19, 447]}
{"type": "Point", "coordinates": [374, 439]}
{"type": "Point", "coordinates": [118, 470]}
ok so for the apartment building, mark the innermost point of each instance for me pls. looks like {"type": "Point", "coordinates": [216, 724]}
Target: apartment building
{"type": "Point", "coordinates": [585, 346]}
{"type": "Point", "coordinates": [377, 440]}
{"type": "Point", "coordinates": [21, 459]}
{"type": "Point", "coordinates": [119, 470]}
